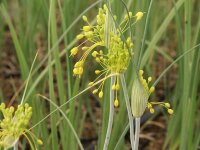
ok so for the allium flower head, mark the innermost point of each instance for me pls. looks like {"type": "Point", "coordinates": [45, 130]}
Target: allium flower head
{"type": "Point", "coordinates": [104, 36]}
{"type": "Point", "coordinates": [140, 95]}
{"type": "Point", "coordinates": [14, 124]}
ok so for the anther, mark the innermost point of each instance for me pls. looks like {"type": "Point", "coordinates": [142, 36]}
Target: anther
{"type": "Point", "coordinates": [86, 28]}
{"type": "Point", "coordinates": [80, 36]}
{"type": "Point", "coordinates": [97, 71]}
{"type": "Point", "coordinates": [113, 87]}
{"type": "Point", "coordinates": [117, 87]}
{"type": "Point", "coordinates": [167, 105]}
{"type": "Point", "coordinates": [152, 110]}
{"type": "Point", "coordinates": [141, 72]}
{"type": "Point", "coordinates": [139, 15]}
{"type": "Point", "coordinates": [85, 18]}
{"type": "Point", "coordinates": [170, 111]}
{"type": "Point", "coordinates": [74, 51]}
{"type": "Point", "coordinates": [100, 94]}
{"type": "Point", "coordinates": [39, 142]}
{"type": "Point", "coordinates": [116, 103]}
{"type": "Point", "coordinates": [91, 83]}
{"type": "Point", "coordinates": [94, 54]}
{"type": "Point", "coordinates": [95, 91]}
{"type": "Point", "coordinates": [149, 79]}
{"type": "Point", "coordinates": [151, 90]}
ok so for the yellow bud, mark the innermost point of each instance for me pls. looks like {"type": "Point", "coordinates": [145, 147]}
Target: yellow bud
{"type": "Point", "coordinates": [170, 111]}
{"type": "Point", "coordinates": [89, 34]}
{"type": "Point", "coordinates": [149, 79]}
{"type": "Point", "coordinates": [130, 14]}
{"type": "Point", "coordinates": [84, 48]}
{"type": "Point", "coordinates": [141, 72]}
{"type": "Point", "coordinates": [85, 18]}
{"type": "Point", "coordinates": [144, 82]}
{"type": "Point", "coordinates": [113, 87]}
{"type": "Point", "coordinates": [94, 54]}
{"type": "Point", "coordinates": [117, 87]}
{"type": "Point", "coordinates": [97, 71]}
{"type": "Point", "coordinates": [131, 45]}
{"type": "Point", "coordinates": [39, 142]}
{"type": "Point", "coordinates": [139, 15]}
{"type": "Point", "coordinates": [78, 64]}
{"type": "Point", "coordinates": [151, 90]}
{"type": "Point", "coordinates": [151, 110]}
{"type": "Point", "coordinates": [100, 94]}
{"type": "Point", "coordinates": [12, 109]}
{"type": "Point", "coordinates": [105, 7]}
{"type": "Point", "coordinates": [80, 36]}
{"type": "Point", "coordinates": [116, 103]}
{"type": "Point", "coordinates": [128, 40]}
{"type": "Point", "coordinates": [86, 28]}
{"type": "Point", "coordinates": [167, 105]}
{"type": "Point", "coordinates": [75, 71]}
{"type": "Point", "coordinates": [98, 60]}
{"type": "Point", "coordinates": [95, 91]}
{"type": "Point", "coordinates": [2, 106]}
{"type": "Point", "coordinates": [91, 83]}
{"type": "Point", "coordinates": [74, 51]}
{"type": "Point", "coordinates": [149, 105]}
{"type": "Point", "coordinates": [80, 70]}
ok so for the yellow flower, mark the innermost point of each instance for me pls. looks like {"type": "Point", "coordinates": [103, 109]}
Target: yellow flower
{"type": "Point", "coordinates": [15, 125]}
{"type": "Point", "coordinates": [140, 96]}
{"type": "Point", "coordinates": [107, 48]}
{"type": "Point", "coordinates": [139, 15]}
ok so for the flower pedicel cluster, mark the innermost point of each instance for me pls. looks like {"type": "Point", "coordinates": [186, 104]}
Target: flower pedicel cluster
{"type": "Point", "coordinates": [15, 125]}
{"type": "Point", "coordinates": [104, 35]}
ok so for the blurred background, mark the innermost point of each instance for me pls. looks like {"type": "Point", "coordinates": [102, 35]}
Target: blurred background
{"type": "Point", "coordinates": [49, 27]}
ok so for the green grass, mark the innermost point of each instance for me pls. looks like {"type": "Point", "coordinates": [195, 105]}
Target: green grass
{"type": "Point", "coordinates": [55, 25]}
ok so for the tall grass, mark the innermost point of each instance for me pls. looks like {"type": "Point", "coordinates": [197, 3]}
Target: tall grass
{"type": "Point", "coordinates": [51, 27]}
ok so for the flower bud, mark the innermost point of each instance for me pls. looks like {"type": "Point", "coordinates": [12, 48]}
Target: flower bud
{"type": "Point", "coordinates": [86, 28]}
{"type": "Point", "coordinates": [139, 99]}
{"type": "Point", "coordinates": [97, 71]}
{"type": "Point", "coordinates": [80, 36]}
{"type": "Point", "coordinates": [85, 18]}
{"type": "Point", "coordinates": [170, 111]}
{"type": "Point", "coordinates": [91, 83]}
{"type": "Point", "coordinates": [95, 91]}
{"type": "Point", "coordinates": [74, 51]}
{"type": "Point", "coordinates": [39, 142]}
{"type": "Point", "coordinates": [116, 103]}
{"type": "Point", "coordinates": [139, 15]}
{"type": "Point", "coordinates": [101, 94]}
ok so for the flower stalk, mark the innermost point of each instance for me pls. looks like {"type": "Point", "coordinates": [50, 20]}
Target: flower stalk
{"type": "Point", "coordinates": [137, 133]}
{"type": "Point", "coordinates": [128, 106]}
{"type": "Point", "coordinates": [111, 115]}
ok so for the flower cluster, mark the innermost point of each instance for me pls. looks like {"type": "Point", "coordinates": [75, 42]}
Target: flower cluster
{"type": "Point", "coordinates": [140, 96]}
{"type": "Point", "coordinates": [107, 48]}
{"type": "Point", "coordinates": [14, 125]}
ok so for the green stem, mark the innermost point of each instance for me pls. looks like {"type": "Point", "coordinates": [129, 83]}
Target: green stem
{"type": "Point", "coordinates": [66, 118]}
{"type": "Point", "coordinates": [15, 146]}
{"type": "Point", "coordinates": [128, 106]}
{"type": "Point", "coordinates": [111, 115]}
{"type": "Point", "coordinates": [137, 133]}
{"type": "Point", "coordinates": [29, 75]}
